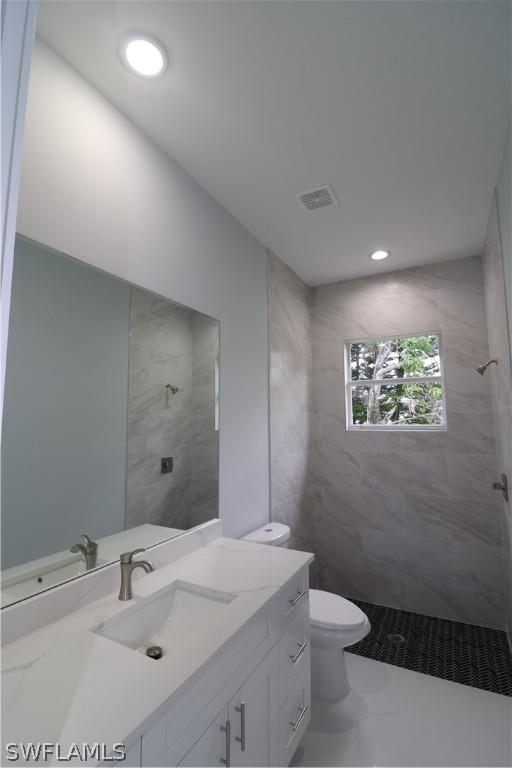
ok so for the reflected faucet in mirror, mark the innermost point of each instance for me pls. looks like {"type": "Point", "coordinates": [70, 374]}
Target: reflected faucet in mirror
{"type": "Point", "coordinates": [89, 551]}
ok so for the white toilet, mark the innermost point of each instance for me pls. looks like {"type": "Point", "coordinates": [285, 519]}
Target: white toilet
{"type": "Point", "coordinates": [335, 624]}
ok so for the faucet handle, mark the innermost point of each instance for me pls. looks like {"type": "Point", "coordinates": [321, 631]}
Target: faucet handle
{"type": "Point", "coordinates": [127, 557]}
{"type": "Point", "coordinates": [91, 546]}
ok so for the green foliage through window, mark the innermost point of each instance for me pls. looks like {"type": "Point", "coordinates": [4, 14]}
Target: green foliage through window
{"type": "Point", "coordinates": [396, 381]}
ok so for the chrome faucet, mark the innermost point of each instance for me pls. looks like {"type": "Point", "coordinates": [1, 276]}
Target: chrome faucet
{"type": "Point", "coordinates": [128, 565]}
{"type": "Point", "coordinates": [89, 551]}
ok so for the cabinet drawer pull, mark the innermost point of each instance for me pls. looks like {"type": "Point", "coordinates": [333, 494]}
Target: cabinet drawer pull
{"type": "Point", "coordinates": [227, 730]}
{"type": "Point", "coordinates": [300, 595]}
{"type": "Point", "coordinates": [302, 648]}
{"type": "Point", "coordinates": [298, 721]}
{"type": "Point", "coordinates": [241, 738]}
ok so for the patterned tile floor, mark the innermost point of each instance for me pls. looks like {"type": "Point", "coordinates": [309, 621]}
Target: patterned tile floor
{"type": "Point", "coordinates": [463, 653]}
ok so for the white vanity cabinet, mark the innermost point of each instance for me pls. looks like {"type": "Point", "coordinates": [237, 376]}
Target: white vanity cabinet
{"type": "Point", "coordinates": [240, 734]}
{"type": "Point", "coordinates": [249, 716]}
{"type": "Point", "coordinates": [212, 748]}
{"type": "Point", "coordinates": [252, 705]}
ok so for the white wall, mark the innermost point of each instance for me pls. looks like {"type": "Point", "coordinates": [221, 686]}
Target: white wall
{"type": "Point", "coordinates": [64, 426]}
{"type": "Point", "coordinates": [95, 187]}
{"type": "Point", "coordinates": [17, 32]}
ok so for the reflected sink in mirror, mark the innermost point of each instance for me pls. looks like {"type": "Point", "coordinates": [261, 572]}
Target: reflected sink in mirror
{"type": "Point", "coordinates": [171, 618]}
{"type": "Point", "coordinates": [27, 581]}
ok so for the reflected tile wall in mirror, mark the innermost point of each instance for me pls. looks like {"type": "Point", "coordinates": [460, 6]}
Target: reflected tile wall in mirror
{"type": "Point", "coordinates": [171, 414]}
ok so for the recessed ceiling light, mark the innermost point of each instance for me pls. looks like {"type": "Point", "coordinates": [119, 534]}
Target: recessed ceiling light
{"type": "Point", "coordinates": [379, 255]}
{"type": "Point", "coordinates": [143, 55]}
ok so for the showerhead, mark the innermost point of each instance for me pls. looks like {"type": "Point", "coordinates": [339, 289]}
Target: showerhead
{"type": "Point", "coordinates": [482, 368]}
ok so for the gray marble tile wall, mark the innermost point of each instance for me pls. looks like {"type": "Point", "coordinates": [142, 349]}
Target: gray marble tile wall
{"type": "Point", "coordinates": [204, 490]}
{"type": "Point", "coordinates": [170, 344]}
{"type": "Point", "coordinates": [407, 520]}
{"type": "Point", "coordinates": [500, 377]}
{"type": "Point", "coordinates": [291, 403]}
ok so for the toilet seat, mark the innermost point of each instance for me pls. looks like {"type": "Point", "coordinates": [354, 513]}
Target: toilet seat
{"type": "Point", "coordinates": [329, 611]}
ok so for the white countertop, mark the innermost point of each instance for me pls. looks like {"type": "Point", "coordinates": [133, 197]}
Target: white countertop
{"type": "Point", "coordinates": [64, 683]}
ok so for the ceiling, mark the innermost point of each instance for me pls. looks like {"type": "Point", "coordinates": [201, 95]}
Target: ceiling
{"type": "Point", "coordinates": [401, 106]}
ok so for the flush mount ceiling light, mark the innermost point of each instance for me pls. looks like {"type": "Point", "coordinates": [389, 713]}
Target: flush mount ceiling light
{"type": "Point", "coordinates": [379, 255]}
{"type": "Point", "coordinates": [143, 55]}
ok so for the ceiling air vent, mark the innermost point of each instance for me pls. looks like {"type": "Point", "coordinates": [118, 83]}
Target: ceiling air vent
{"type": "Point", "coordinates": [318, 198]}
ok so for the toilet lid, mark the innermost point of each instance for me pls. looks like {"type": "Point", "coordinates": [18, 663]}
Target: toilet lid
{"type": "Point", "coordinates": [332, 611]}
{"type": "Point", "coordinates": [273, 534]}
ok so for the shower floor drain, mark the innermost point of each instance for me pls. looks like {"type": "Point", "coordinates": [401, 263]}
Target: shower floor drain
{"type": "Point", "coordinates": [396, 638]}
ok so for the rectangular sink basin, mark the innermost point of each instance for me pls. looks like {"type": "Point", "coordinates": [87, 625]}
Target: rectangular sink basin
{"type": "Point", "coordinates": [172, 617]}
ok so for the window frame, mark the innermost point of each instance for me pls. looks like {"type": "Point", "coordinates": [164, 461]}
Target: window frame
{"type": "Point", "coordinates": [351, 384]}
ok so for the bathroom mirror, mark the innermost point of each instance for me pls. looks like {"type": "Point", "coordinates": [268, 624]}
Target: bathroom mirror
{"type": "Point", "coordinates": [110, 434]}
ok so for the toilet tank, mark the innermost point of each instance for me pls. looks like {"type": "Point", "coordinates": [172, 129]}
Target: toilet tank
{"type": "Point", "coordinates": [273, 534]}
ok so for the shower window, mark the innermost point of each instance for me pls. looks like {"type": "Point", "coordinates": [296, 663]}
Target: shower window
{"type": "Point", "coordinates": [395, 383]}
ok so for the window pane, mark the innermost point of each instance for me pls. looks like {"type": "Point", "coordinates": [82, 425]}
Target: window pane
{"type": "Point", "coordinates": [395, 358]}
{"type": "Point", "coordinates": [405, 404]}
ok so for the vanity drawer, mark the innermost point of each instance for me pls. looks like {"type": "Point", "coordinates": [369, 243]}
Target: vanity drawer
{"type": "Point", "coordinates": [288, 604]}
{"type": "Point", "coordinates": [294, 717]}
{"type": "Point", "coordinates": [293, 652]}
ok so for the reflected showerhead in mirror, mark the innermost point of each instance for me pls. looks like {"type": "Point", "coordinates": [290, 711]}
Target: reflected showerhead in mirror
{"type": "Point", "coordinates": [170, 389]}
{"type": "Point", "coordinates": [482, 368]}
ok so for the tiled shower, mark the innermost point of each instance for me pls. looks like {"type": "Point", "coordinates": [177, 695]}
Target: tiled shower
{"type": "Point", "coordinates": [405, 519]}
